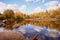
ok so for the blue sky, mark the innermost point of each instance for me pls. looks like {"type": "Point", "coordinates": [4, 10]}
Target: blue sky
{"type": "Point", "coordinates": [29, 6]}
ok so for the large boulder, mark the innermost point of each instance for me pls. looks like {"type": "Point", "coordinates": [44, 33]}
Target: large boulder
{"type": "Point", "coordinates": [11, 36]}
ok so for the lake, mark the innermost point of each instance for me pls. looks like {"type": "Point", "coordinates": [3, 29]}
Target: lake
{"type": "Point", "coordinates": [41, 33]}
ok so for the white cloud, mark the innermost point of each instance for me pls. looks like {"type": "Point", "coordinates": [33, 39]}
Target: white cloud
{"type": "Point", "coordinates": [32, 0]}
{"type": "Point", "coordinates": [37, 0]}
{"type": "Point", "coordinates": [27, 0]}
{"type": "Point", "coordinates": [11, 6]}
{"type": "Point", "coordinates": [22, 8]}
{"type": "Point", "coordinates": [4, 6]}
{"type": "Point", "coordinates": [38, 9]}
{"type": "Point", "coordinates": [14, 7]}
{"type": "Point", "coordinates": [59, 5]}
{"type": "Point", "coordinates": [52, 8]}
{"type": "Point", "coordinates": [52, 5]}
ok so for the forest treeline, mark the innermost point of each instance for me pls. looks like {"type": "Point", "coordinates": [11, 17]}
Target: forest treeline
{"type": "Point", "coordinates": [10, 18]}
{"type": "Point", "coordinates": [49, 19]}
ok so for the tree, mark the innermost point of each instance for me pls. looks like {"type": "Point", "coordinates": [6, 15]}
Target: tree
{"type": "Point", "coordinates": [1, 17]}
{"type": "Point", "coordinates": [9, 16]}
{"type": "Point", "coordinates": [18, 19]}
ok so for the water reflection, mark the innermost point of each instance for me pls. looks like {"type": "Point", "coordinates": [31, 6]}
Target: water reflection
{"type": "Point", "coordinates": [41, 33]}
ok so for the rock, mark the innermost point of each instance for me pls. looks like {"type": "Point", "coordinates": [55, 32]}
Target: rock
{"type": "Point", "coordinates": [11, 36]}
{"type": "Point", "coordinates": [16, 26]}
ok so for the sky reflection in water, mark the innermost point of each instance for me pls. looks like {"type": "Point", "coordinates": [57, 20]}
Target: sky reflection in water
{"type": "Point", "coordinates": [42, 33]}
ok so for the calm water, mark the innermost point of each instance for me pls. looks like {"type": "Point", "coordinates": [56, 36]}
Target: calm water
{"type": "Point", "coordinates": [42, 33]}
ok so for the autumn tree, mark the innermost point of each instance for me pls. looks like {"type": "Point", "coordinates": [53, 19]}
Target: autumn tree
{"type": "Point", "coordinates": [2, 16]}
{"type": "Point", "coordinates": [18, 19]}
{"type": "Point", "coordinates": [9, 16]}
